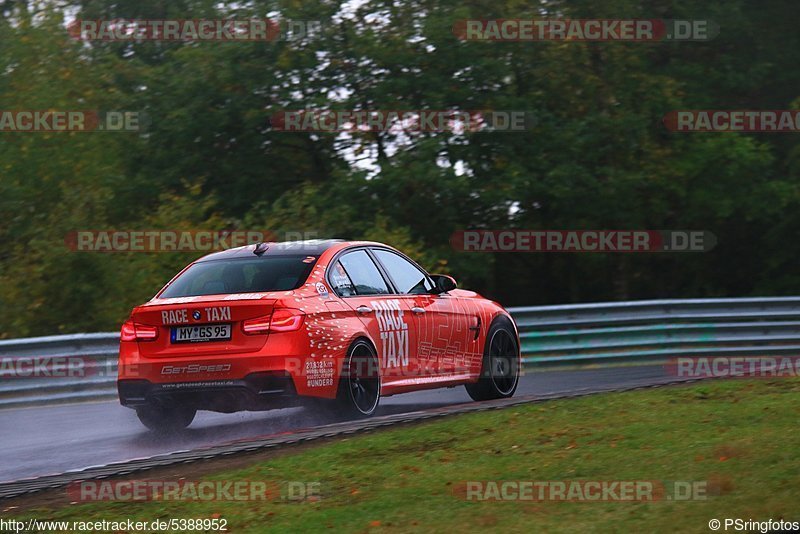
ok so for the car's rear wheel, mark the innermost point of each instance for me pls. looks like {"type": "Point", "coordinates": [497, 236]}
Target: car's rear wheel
{"type": "Point", "coordinates": [500, 368]}
{"type": "Point", "coordinates": [165, 419]}
{"type": "Point", "coordinates": [360, 383]}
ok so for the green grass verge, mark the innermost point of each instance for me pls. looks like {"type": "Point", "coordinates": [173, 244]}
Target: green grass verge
{"type": "Point", "coordinates": [740, 436]}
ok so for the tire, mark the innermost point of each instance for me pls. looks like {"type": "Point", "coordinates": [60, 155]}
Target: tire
{"type": "Point", "coordinates": [500, 367]}
{"type": "Point", "coordinates": [166, 420]}
{"type": "Point", "coordinates": [360, 384]}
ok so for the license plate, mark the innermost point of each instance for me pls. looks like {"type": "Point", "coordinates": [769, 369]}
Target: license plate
{"type": "Point", "coordinates": [200, 333]}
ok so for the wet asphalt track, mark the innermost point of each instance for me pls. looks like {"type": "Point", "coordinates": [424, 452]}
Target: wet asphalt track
{"type": "Point", "coordinates": [54, 439]}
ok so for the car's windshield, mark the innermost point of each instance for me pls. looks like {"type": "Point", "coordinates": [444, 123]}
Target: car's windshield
{"type": "Point", "coordinates": [256, 275]}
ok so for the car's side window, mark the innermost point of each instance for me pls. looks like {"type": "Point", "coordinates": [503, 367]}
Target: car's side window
{"type": "Point", "coordinates": [406, 276]}
{"type": "Point", "coordinates": [364, 273]}
{"type": "Point", "coordinates": [340, 282]}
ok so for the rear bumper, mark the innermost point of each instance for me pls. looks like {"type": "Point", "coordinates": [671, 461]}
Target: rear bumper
{"type": "Point", "coordinates": [289, 353]}
{"type": "Point", "coordinates": [256, 391]}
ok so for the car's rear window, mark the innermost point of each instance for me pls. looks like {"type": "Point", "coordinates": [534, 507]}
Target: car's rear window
{"type": "Point", "coordinates": [256, 275]}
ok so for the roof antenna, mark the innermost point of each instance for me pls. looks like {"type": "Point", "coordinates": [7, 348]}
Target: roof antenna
{"type": "Point", "coordinates": [260, 249]}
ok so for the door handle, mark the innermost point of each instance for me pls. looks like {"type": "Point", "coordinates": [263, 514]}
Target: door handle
{"type": "Point", "coordinates": [364, 310]}
{"type": "Point", "coordinates": [418, 310]}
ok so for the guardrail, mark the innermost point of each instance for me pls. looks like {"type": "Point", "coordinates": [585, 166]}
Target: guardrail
{"type": "Point", "coordinates": [655, 330]}
{"type": "Point", "coordinates": [92, 357]}
{"type": "Point", "coordinates": [574, 334]}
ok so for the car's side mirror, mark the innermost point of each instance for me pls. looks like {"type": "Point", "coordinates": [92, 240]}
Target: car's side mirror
{"type": "Point", "coordinates": [443, 283]}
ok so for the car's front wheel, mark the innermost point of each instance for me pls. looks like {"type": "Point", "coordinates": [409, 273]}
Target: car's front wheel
{"type": "Point", "coordinates": [165, 419]}
{"type": "Point", "coordinates": [500, 368]}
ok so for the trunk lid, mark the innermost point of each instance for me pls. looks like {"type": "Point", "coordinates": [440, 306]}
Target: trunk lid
{"type": "Point", "coordinates": [196, 312]}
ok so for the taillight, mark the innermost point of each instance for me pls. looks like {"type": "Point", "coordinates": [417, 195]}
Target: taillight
{"type": "Point", "coordinates": [259, 325]}
{"type": "Point", "coordinates": [286, 320]}
{"type": "Point", "coordinates": [281, 320]}
{"type": "Point", "coordinates": [132, 331]}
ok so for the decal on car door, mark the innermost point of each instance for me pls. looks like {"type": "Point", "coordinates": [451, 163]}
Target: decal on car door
{"type": "Point", "coordinates": [394, 332]}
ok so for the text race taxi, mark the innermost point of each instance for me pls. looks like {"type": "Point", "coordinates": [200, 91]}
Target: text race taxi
{"type": "Point", "coordinates": [271, 325]}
